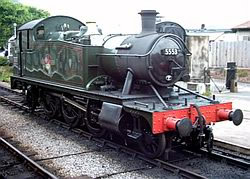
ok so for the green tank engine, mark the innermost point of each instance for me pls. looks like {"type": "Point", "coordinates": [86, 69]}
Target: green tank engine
{"type": "Point", "coordinates": [123, 85]}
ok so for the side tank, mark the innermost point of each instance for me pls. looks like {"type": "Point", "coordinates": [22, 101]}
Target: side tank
{"type": "Point", "coordinates": [158, 58]}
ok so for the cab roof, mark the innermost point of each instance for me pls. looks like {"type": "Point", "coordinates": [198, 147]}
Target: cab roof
{"type": "Point", "coordinates": [32, 24]}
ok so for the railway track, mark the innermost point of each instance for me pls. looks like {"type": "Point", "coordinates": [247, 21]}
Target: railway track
{"type": "Point", "coordinates": [232, 147]}
{"type": "Point", "coordinates": [220, 155]}
{"type": "Point", "coordinates": [121, 148]}
{"type": "Point", "coordinates": [16, 164]}
{"type": "Point", "coordinates": [232, 159]}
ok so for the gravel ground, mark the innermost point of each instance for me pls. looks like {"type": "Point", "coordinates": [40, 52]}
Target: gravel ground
{"type": "Point", "coordinates": [67, 155]}
{"type": "Point", "coordinates": [214, 170]}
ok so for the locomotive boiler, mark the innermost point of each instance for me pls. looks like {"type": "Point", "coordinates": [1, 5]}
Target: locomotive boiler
{"type": "Point", "coordinates": [150, 56]}
{"type": "Point", "coordinates": [124, 86]}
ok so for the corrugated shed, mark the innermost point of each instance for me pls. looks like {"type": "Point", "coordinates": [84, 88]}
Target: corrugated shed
{"type": "Point", "coordinates": [223, 52]}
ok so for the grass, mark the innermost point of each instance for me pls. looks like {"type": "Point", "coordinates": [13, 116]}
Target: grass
{"type": "Point", "coordinates": [207, 93]}
{"type": "Point", "coordinates": [5, 70]}
{"type": "Point", "coordinates": [3, 61]}
{"type": "Point", "coordinates": [242, 73]}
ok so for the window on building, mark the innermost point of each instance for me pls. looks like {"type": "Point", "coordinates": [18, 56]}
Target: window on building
{"type": "Point", "coordinates": [246, 38]}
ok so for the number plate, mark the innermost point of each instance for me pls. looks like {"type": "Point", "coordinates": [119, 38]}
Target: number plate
{"type": "Point", "coordinates": [170, 51]}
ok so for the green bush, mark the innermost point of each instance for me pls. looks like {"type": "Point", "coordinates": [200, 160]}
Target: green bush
{"type": "Point", "coordinates": [3, 61]}
{"type": "Point", "coordinates": [242, 73]}
{"type": "Point", "coordinates": [5, 73]}
{"type": "Point", "coordinates": [14, 12]}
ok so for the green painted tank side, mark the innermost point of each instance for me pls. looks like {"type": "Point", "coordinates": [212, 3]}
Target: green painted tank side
{"type": "Point", "coordinates": [62, 62]}
{"type": "Point", "coordinates": [110, 61]}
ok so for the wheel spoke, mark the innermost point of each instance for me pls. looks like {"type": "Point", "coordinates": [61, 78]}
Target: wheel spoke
{"type": "Point", "coordinates": [152, 145]}
{"type": "Point", "coordinates": [155, 143]}
{"type": "Point", "coordinates": [154, 148]}
{"type": "Point", "coordinates": [51, 105]}
{"type": "Point", "coordinates": [71, 115]}
{"type": "Point", "coordinates": [92, 122]}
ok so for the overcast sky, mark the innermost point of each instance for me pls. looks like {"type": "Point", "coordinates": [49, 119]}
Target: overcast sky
{"type": "Point", "coordinates": [121, 16]}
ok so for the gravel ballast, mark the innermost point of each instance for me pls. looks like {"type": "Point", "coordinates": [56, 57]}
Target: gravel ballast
{"type": "Point", "coordinates": [69, 155]}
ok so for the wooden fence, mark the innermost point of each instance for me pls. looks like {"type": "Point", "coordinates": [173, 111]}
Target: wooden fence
{"type": "Point", "coordinates": [222, 52]}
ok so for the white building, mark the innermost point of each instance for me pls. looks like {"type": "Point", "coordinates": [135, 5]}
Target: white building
{"type": "Point", "coordinates": [238, 33]}
{"type": "Point", "coordinates": [242, 31]}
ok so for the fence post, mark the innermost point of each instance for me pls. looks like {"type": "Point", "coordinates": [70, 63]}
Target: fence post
{"type": "Point", "coordinates": [231, 82]}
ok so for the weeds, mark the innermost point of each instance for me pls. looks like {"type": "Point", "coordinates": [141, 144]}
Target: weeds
{"type": "Point", "coordinates": [5, 70]}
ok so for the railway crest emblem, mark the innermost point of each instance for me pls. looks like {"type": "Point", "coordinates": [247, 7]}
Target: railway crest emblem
{"type": "Point", "coordinates": [47, 61]}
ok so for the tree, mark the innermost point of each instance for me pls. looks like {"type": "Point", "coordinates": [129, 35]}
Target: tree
{"type": "Point", "coordinates": [14, 12]}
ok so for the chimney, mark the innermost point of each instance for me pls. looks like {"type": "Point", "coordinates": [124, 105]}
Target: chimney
{"type": "Point", "coordinates": [148, 19]}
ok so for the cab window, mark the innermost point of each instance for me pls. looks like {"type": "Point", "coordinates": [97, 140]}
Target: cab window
{"type": "Point", "coordinates": [40, 33]}
{"type": "Point", "coordinates": [24, 39]}
{"type": "Point", "coordinates": [30, 39]}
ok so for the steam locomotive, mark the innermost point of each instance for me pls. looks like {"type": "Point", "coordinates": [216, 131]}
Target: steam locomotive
{"type": "Point", "coordinates": [124, 85]}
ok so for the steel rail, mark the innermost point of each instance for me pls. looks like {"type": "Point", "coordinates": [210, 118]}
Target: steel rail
{"type": "Point", "coordinates": [218, 155]}
{"type": "Point", "coordinates": [227, 145]}
{"type": "Point", "coordinates": [10, 101]}
{"type": "Point", "coordinates": [36, 167]}
{"type": "Point", "coordinates": [5, 88]}
{"type": "Point", "coordinates": [20, 105]}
